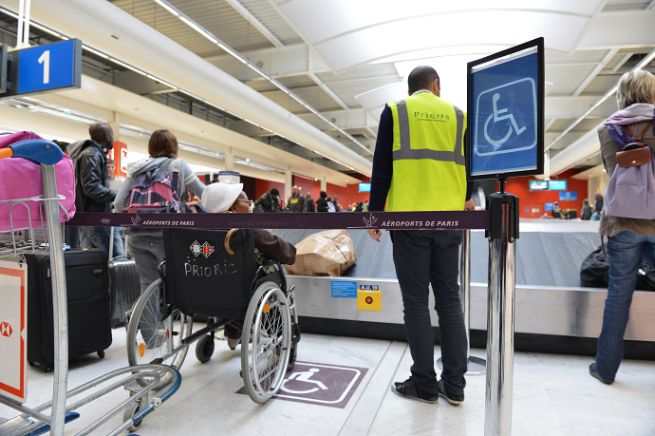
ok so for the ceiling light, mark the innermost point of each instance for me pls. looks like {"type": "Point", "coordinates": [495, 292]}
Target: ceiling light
{"type": "Point", "coordinates": [169, 8]}
{"type": "Point", "coordinates": [236, 55]}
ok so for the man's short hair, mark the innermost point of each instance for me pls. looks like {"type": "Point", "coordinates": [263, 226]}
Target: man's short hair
{"type": "Point", "coordinates": [275, 192]}
{"type": "Point", "coordinates": [100, 132]}
{"type": "Point", "coordinates": [421, 77]}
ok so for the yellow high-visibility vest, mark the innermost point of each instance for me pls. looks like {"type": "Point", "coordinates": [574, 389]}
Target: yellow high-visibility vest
{"type": "Point", "coordinates": [429, 171]}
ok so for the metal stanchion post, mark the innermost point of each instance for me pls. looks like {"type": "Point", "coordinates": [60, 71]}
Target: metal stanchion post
{"type": "Point", "coordinates": [60, 315]}
{"type": "Point", "coordinates": [503, 231]}
{"type": "Point", "coordinates": [476, 365]}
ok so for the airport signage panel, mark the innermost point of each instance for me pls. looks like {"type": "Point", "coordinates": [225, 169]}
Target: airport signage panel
{"type": "Point", "coordinates": [568, 196]}
{"type": "Point", "coordinates": [538, 185]}
{"type": "Point", "coordinates": [47, 67]}
{"type": "Point", "coordinates": [557, 185]}
{"type": "Point", "coordinates": [505, 113]}
{"type": "Point", "coordinates": [364, 187]}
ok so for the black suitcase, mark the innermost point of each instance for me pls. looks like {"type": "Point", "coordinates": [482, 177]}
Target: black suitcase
{"type": "Point", "coordinates": [89, 327]}
{"type": "Point", "coordinates": [125, 289]}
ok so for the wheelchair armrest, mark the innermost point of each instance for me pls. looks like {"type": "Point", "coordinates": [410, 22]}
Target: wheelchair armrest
{"type": "Point", "coordinates": [226, 242]}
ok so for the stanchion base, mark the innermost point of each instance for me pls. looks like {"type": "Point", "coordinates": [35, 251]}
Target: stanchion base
{"type": "Point", "coordinates": [475, 366]}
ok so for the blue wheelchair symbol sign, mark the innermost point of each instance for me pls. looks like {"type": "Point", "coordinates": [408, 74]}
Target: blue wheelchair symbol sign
{"type": "Point", "coordinates": [506, 118]}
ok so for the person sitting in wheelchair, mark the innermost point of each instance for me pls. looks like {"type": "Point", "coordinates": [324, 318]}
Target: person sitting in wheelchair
{"type": "Point", "coordinates": [229, 198]}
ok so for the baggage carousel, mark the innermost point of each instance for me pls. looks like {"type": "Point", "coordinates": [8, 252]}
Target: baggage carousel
{"type": "Point", "coordinates": [553, 313]}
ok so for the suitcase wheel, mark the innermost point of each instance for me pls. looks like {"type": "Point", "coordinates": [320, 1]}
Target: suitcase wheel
{"type": "Point", "coordinates": [101, 354]}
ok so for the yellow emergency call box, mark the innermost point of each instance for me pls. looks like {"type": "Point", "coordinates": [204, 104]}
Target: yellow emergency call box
{"type": "Point", "coordinates": [369, 298]}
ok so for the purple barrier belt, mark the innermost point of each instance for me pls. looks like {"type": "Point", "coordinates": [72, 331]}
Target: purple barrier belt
{"type": "Point", "coordinates": [346, 220]}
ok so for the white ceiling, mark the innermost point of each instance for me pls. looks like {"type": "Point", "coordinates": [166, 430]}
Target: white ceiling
{"type": "Point", "coordinates": [344, 57]}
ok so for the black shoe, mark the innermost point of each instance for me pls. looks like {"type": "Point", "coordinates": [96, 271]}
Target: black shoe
{"type": "Point", "coordinates": [453, 398]}
{"type": "Point", "coordinates": [594, 373]}
{"type": "Point", "coordinates": [408, 389]}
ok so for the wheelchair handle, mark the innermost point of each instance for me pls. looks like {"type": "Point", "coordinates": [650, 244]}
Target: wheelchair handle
{"type": "Point", "coordinates": [226, 242]}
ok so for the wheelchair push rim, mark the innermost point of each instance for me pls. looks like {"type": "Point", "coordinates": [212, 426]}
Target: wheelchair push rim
{"type": "Point", "coordinates": [151, 339]}
{"type": "Point", "coordinates": [266, 342]}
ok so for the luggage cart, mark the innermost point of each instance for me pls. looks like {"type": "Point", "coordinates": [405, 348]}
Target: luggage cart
{"type": "Point", "coordinates": [143, 382]}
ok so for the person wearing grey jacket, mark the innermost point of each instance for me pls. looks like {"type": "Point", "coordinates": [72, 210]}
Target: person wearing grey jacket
{"type": "Point", "coordinates": [627, 238]}
{"type": "Point", "coordinates": [147, 246]}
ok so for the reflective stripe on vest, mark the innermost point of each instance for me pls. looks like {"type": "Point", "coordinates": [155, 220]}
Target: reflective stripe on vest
{"type": "Point", "coordinates": [428, 169]}
{"type": "Point", "coordinates": [406, 151]}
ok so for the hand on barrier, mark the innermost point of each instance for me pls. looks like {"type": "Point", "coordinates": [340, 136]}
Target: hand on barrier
{"type": "Point", "coordinates": [375, 234]}
{"type": "Point", "coordinates": [469, 205]}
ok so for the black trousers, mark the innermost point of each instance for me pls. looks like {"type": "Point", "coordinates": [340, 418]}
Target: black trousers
{"type": "Point", "coordinates": [423, 257]}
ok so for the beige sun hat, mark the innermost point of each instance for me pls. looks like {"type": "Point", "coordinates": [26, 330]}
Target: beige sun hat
{"type": "Point", "coordinates": [218, 197]}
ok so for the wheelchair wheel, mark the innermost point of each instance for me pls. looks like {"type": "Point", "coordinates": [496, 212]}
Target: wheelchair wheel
{"type": "Point", "coordinates": [266, 342]}
{"type": "Point", "coordinates": [151, 339]}
{"type": "Point", "coordinates": [205, 348]}
{"type": "Point", "coordinates": [130, 412]}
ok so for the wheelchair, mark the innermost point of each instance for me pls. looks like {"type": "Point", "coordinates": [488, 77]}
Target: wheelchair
{"type": "Point", "coordinates": [214, 276]}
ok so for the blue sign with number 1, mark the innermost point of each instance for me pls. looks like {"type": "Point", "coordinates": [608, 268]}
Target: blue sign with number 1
{"type": "Point", "coordinates": [48, 67]}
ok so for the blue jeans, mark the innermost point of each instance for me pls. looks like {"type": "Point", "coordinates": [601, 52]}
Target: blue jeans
{"type": "Point", "coordinates": [98, 237]}
{"type": "Point", "coordinates": [625, 252]}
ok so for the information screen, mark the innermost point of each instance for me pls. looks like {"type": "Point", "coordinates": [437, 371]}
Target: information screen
{"type": "Point", "coordinates": [505, 113]}
{"type": "Point", "coordinates": [557, 185]}
{"type": "Point", "coordinates": [364, 187]}
{"type": "Point", "coordinates": [568, 196]}
{"type": "Point", "coordinates": [538, 185]}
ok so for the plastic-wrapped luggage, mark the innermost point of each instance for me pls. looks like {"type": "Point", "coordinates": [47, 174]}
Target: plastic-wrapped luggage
{"type": "Point", "coordinates": [329, 253]}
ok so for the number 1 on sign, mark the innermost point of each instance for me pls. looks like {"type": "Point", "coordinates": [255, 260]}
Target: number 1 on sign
{"type": "Point", "coordinates": [45, 60]}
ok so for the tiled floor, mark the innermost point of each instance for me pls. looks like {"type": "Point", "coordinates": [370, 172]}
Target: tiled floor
{"type": "Point", "coordinates": [553, 395]}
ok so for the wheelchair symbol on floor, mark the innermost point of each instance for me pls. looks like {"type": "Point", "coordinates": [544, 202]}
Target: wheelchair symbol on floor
{"type": "Point", "coordinates": [304, 376]}
{"type": "Point", "coordinates": [499, 115]}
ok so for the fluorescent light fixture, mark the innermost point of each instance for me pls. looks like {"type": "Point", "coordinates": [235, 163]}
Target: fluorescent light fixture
{"type": "Point", "coordinates": [169, 8]}
{"type": "Point", "coordinates": [236, 55]}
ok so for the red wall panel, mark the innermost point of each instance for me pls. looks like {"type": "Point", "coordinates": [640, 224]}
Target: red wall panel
{"type": "Point", "coordinates": [263, 186]}
{"type": "Point", "coordinates": [307, 185]}
{"type": "Point", "coordinates": [347, 195]}
{"type": "Point", "coordinates": [531, 203]}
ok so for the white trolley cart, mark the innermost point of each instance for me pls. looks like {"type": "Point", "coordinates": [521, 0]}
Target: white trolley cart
{"type": "Point", "coordinates": [143, 382]}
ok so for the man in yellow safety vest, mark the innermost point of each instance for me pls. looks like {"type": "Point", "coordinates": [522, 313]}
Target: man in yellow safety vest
{"type": "Point", "coordinates": [419, 166]}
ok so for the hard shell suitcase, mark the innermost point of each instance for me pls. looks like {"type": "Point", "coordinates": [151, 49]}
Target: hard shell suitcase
{"type": "Point", "coordinates": [89, 328]}
{"type": "Point", "coordinates": [125, 289]}
{"type": "Point", "coordinates": [124, 285]}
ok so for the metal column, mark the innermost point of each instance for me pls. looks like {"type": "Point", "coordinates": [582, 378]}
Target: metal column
{"type": "Point", "coordinates": [60, 315]}
{"type": "Point", "coordinates": [503, 231]}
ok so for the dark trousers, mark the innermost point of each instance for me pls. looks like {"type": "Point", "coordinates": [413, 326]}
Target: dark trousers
{"type": "Point", "coordinates": [421, 258]}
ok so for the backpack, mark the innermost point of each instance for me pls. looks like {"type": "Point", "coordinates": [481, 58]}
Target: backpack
{"type": "Point", "coordinates": [631, 189]}
{"type": "Point", "coordinates": [594, 272]}
{"type": "Point", "coordinates": [157, 191]}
